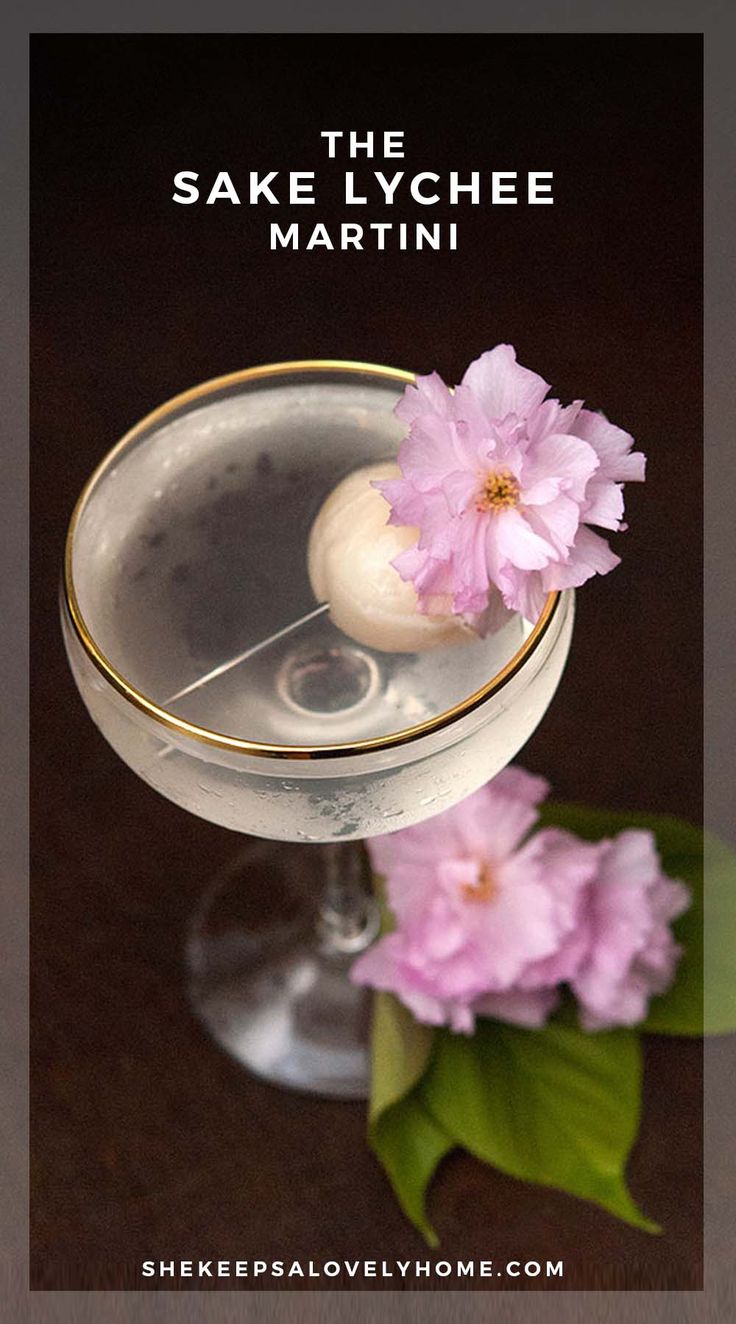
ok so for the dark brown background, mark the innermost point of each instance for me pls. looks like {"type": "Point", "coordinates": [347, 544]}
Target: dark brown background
{"type": "Point", "coordinates": [147, 1141]}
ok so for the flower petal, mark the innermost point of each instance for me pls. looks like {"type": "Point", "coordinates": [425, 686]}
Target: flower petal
{"type": "Point", "coordinates": [632, 953]}
{"type": "Point", "coordinates": [491, 822]}
{"type": "Point", "coordinates": [589, 555]}
{"type": "Point", "coordinates": [426, 394]}
{"type": "Point", "coordinates": [517, 542]}
{"type": "Point", "coordinates": [551, 417]}
{"type": "Point", "coordinates": [564, 461]}
{"type": "Point", "coordinates": [502, 385]}
{"type": "Point", "coordinates": [558, 522]}
{"type": "Point", "coordinates": [604, 503]}
{"type": "Point", "coordinates": [613, 447]}
{"type": "Point", "coordinates": [459, 488]}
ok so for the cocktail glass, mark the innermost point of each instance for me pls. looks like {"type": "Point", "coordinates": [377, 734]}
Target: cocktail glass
{"type": "Point", "coordinates": [198, 648]}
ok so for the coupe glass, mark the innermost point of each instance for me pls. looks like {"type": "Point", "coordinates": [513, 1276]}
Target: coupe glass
{"type": "Point", "coordinates": [200, 652]}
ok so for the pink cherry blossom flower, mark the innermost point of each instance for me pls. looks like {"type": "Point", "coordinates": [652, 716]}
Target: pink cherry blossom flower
{"type": "Point", "coordinates": [478, 909]}
{"type": "Point", "coordinates": [491, 921]}
{"type": "Point", "coordinates": [503, 486]}
{"type": "Point", "coordinates": [630, 954]}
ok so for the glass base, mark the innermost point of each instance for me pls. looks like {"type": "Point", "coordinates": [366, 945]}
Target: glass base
{"type": "Point", "coordinates": [268, 961]}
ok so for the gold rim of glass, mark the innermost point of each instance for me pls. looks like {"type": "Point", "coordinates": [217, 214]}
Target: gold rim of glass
{"type": "Point", "coordinates": [239, 744]}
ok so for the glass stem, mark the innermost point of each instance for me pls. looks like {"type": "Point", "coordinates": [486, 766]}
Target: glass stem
{"type": "Point", "coordinates": [349, 916]}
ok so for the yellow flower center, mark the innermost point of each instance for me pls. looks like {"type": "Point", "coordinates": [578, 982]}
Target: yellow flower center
{"type": "Point", "coordinates": [483, 889]}
{"type": "Point", "coordinates": [500, 491]}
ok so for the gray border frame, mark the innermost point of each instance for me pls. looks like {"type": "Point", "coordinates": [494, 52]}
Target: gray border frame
{"type": "Point", "coordinates": [711, 17]}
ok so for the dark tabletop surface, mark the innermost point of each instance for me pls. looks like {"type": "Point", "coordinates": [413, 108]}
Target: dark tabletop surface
{"type": "Point", "coordinates": [147, 1141]}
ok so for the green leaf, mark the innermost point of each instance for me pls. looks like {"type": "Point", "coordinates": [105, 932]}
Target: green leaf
{"type": "Point", "coordinates": [410, 1143]}
{"type": "Point", "coordinates": [555, 1105]}
{"type": "Point", "coordinates": [400, 1048]}
{"type": "Point", "coordinates": [713, 924]}
{"type": "Point", "coordinates": [404, 1136]}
